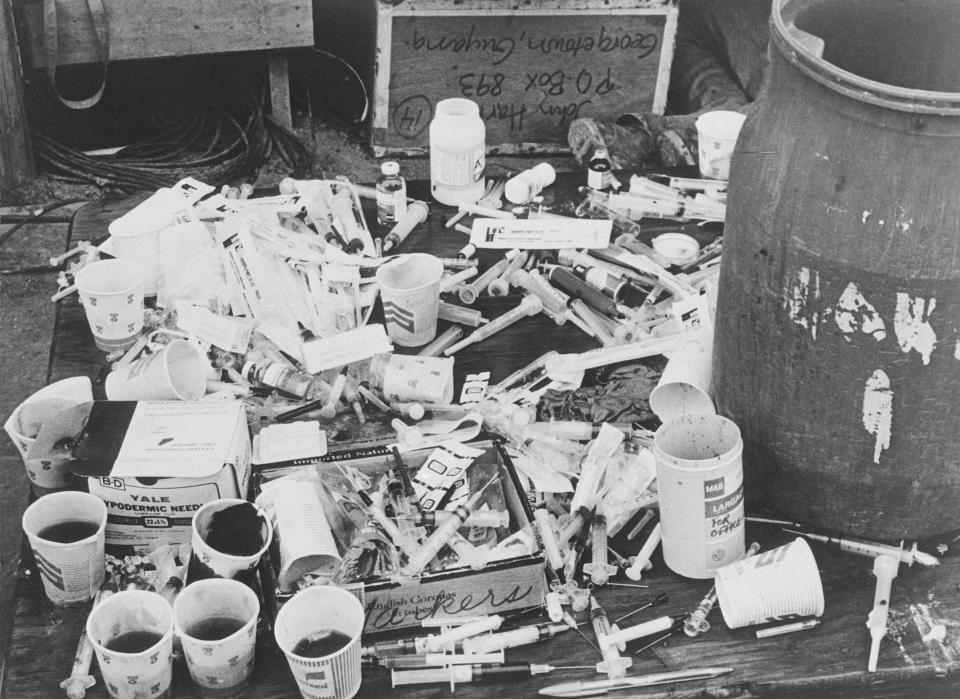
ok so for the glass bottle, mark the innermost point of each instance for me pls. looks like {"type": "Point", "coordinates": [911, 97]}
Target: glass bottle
{"type": "Point", "coordinates": [391, 194]}
{"type": "Point", "coordinates": [280, 376]}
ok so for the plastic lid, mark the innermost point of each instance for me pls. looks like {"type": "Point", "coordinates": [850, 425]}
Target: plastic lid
{"type": "Point", "coordinates": [391, 168]}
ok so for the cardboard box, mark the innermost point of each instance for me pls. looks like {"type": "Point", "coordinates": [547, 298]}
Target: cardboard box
{"type": "Point", "coordinates": [156, 462]}
{"type": "Point", "coordinates": [509, 584]}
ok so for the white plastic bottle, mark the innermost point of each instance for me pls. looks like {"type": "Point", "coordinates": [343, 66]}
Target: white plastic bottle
{"type": "Point", "coordinates": [457, 152]}
{"type": "Point", "coordinates": [521, 188]}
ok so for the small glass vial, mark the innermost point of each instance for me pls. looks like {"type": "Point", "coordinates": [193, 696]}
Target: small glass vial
{"type": "Point", "coordinates": [391, 194]}
{"type": "Point", "coordinates": [277, 375]}
{"type": "Point", "coordinates": [598, 169]}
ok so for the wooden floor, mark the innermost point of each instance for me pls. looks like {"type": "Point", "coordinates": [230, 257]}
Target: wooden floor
{"type": "Point", "coordinates": [828, 661]}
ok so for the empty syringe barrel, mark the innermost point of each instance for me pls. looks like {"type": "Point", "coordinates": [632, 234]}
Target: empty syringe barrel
{"type": "Point", "coordinates": [449, 337]}
{"type": "Point", "coordinates": [501, 285]}
{"type": "Point", "coordinates": [417, 212]}
{"type": "Point", "coordinates": [459, 314]}
{"type": "Point", "coordinates": [512, 639]}
{"type": "Point", "coordinates": [478, 518]}
{"type": "Point", "coordinates": [597, 203]}
{"type": "Point", "coordinates": [469, 292]}
{"type": "Point", "coordinates": [554, 302]}
{"type": "Point", "coordinates": [530, 305]}
{"type": "Point", "coordinates": [548, 538]}
{"type": "Point", "coordinates": [454, 280]}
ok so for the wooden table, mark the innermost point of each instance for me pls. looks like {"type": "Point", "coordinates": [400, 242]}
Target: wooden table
{"type": "Point", "coordinates": [830, 660]}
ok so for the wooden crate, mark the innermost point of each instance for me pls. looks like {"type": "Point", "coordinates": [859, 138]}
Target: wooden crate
{"type": "Point", "coordinates": [532, 67]}
{"type": "Point", "coordinates": [163, 28]}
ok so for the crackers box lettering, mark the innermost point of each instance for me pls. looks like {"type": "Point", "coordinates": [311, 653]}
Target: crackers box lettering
{"type": "Point", "coordinates": [531, 68]}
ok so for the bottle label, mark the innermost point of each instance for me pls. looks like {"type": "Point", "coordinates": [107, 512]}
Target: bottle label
{"type": "Point", "coordinates": [276, 375]}
{"type": "Point", "coordinates": [456, 168]}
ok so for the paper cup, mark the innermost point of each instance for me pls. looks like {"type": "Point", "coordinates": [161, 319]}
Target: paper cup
{"type": "Point", "coordinates": [717, 135]}
{"type": "Point", "coordinates": [25, 421]}
{"type": "Point", "coordinates": [135, 235]}
{"type": "Point", "coordinates": [111, 292]}
{"type": "Point", "coordinates": [216, 621]}
{"type": "Point", "coordinates": [72, 571]}
{"type": "Point", "coordinates": [176, 372]}
{"type": "Point", "coordinates": [684, 386]}
{"type": "Point", "coordinates": [410, 290]}
{"type": "Point", "coordinates": [700, 485]}
{"type": "Point", "coordinates": [208, 562]}
{"type": "Point", "coordinates": [406, 378]}
{"type": "Point", "coordinates": [123, 617]}
{"type": "Point", "coordinates": [771, 586]}
{"type": "Point", "coordinates": [315, 610]}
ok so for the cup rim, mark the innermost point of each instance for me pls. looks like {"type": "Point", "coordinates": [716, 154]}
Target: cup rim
{"type": "Point", "coordinates": [212, 582]}
{"type": "Point", "coordinates": [171, 380]}
{"type": "Point", "coordinates": [112, 600]}
{"type": "Point", "coordinates": [31, 510]}
{"type": "Point", "coordinates": [130, 265]}
{"type": "Point", "coordinates": [407, 256]}
{"type": "Point", "coordinates": [694, 465]}
{"type": "Point", "coordinates": [313, 591]}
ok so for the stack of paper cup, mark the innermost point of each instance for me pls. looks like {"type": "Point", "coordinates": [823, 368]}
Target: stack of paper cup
{"type": "Point", "coordinates": [717, 134]}
{"type": "Point", "coordinates": [305, 540]}
{"type": "Point", "coordinates": [313, 612]}
{"type": "Point", "coordinates": [410, 290]}
{"type": "Point", "coordinates": [111, 292]}
{"type": "Point", "coordinates": [684, 386]}
{"type": "Point", "coordinates": [132, 635]}
{"type": "Point", "coordinates": [219, 564]}
{"type": "Point", "coordinates": [176, 372]}
{"type": "Point", "coordinates": [216, 621]}
{"type": "Point", "coordinates": [66, 534]}
{"type": "Point", "coordinates": [770, 586]}
{"type": "Point", "coordinates": [25, 421]}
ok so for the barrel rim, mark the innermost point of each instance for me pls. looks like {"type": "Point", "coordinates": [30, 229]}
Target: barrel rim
{"type": "Point", "coordinates": [850, 84]}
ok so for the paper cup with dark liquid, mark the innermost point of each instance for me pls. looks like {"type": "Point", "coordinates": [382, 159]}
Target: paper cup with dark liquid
{"type": "Point", "coordinates": [216, 621]}
{"type": "Point", "coordinates": [229, 537]}
{"type": "Point", "coordinates": [66, 534]}
{"type": "Point", "coordinates": [318, 630]}
{"type": "Point", "coordinates": [132, 635]}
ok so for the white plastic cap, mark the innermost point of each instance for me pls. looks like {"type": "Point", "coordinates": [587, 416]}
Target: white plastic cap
{"type": "Point", "coordinates": [391, 168]}
{"type": "Point", "coordinates": [523, 187]}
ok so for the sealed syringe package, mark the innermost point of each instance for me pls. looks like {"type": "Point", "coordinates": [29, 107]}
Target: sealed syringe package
{"type": "Point", "coordinates": [430, 534]}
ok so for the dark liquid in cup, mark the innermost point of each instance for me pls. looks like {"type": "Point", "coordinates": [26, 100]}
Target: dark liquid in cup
{"type": "Point", "coordinates": [69, 531]}
{"type": "Point", "coordinates": [215, 628]}
{"type": "Point", "coordinates": [321, 643]}
{"type": "Point", "coordinates": [134, 641]}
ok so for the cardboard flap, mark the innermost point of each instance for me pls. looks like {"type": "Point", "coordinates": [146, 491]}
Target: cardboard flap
{"type": "Point", "coordinates": [67, 425]}
{"type": "Point", "coordinates": [149, 439]}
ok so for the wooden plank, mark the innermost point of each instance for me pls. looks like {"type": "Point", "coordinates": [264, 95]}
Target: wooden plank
{"type": "Point", "coordinates": [163, 28]}
{"type": "Point", "coordinates": [532, 68]}
{"type": "Point", "coordinates": [16, 156]}
{"type": "Point", "coordinates": [280, 89]}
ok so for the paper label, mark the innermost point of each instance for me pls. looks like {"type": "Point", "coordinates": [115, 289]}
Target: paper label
{"type": "Point", "coordinates": [297, 441]}
{"type": "Point", "coordinates": [347, 347]}
{"type": "Point", "coordinates": [540, 233]}
{"type": "Point", "coordinates": [224, 332]}
{"type": "Point", "coordinates": [445, 469]}
{"type": "Point", "coordinates": [474, 386]}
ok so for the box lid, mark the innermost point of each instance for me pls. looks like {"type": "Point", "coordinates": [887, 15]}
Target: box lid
{"type": "Point", "coordinates": [159, 439]}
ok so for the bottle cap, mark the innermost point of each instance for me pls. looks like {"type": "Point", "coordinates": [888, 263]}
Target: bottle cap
{"type": "Point", "coordinates": [391, 168]}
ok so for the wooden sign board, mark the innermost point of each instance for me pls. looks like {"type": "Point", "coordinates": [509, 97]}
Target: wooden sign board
{"type": "Point", "coordinates": [532, 68]}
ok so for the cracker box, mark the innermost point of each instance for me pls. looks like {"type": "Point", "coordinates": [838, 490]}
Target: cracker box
{"type": "Point", "coordinates": [154, 463]}
{"type": "Point", "coordinates": [512, 583]}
